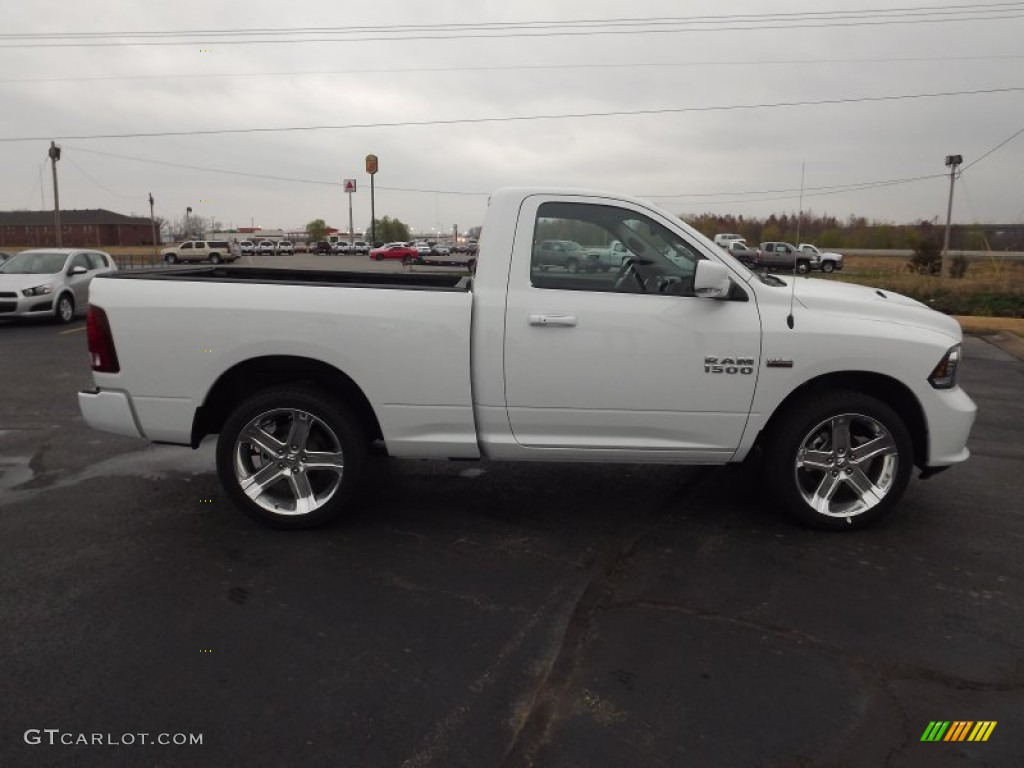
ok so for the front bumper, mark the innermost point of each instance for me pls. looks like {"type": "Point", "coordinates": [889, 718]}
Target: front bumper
{"type": "Point", "coordinates": [949, 429]}
{"type": "Point", "coordinates": [25, 306]}
{"type": "Point", "coordinates": [108, 411]}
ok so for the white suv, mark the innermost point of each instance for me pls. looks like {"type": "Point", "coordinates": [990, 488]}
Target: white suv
{"type": "Point", "coordinates": [214, 251]}
{"type": "Point", "coordinates": [724, 239]}
{"type": "Point", "coordinates": [285, 246]}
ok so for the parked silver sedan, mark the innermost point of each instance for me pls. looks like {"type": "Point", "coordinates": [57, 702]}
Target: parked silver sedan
{"type": "Point", "coordinates": [50, 281]}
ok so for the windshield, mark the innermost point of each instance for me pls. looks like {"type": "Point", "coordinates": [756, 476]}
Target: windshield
{"type": "Point", "coordinates": [38, 263]}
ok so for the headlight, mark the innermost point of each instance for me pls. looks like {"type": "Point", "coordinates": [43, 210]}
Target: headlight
{"type": "Point", "coordinates": [944, 375]}
{"type": "Point", "coordinates": [39, 290]}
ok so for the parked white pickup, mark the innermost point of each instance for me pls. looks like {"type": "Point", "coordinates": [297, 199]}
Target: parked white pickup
{"type": "Point", "coordinates": [681, 355]}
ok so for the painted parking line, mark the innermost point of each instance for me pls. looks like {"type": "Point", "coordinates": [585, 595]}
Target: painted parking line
{"type": "Point", "coordinates": [73, 330]}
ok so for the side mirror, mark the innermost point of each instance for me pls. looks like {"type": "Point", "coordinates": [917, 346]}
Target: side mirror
{"type": "Point", "coordinates": [711, 280]}
{"type": "Point", "coordinates": [78, 271]}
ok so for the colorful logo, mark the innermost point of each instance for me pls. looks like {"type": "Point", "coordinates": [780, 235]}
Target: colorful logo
{"type": "Point", "coordinates": [958, 730]}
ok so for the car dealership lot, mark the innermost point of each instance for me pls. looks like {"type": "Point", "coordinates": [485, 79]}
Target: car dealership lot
{"type": "Point", "coordinates": [487, 614]}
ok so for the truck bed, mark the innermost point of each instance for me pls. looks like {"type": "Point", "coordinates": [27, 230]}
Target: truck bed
{"type": "Point", "coordinates": [234, 274]}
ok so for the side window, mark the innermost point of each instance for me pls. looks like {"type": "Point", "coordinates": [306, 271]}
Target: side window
{"type": "Point", "coordinates": [95, 260]}
{"type": "Point", "coordinates": [590, 247]}
{"type": "Point", "coordinates": [79, 260]}
{"type": "Point", "coordinates": [186, 246]}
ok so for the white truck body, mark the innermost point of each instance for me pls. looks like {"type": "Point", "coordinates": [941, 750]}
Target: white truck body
{"type": "Point", "coordinates": [513, 365]}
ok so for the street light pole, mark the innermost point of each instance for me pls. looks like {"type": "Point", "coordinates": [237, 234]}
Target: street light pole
{"type": "Point", "coordinates": [54, 157]}
{"type": "Point", "coordinates": [152, 222]}
{"type": "Point", "coordinates": [952, 161]}
{"type": "Point", "coordinates": [188, 212]}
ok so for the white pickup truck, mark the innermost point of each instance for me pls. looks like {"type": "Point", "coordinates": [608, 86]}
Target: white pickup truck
{"type": "Point", "coordinates": [682, 356]}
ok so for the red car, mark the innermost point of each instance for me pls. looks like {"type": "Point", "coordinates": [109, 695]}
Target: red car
{"type": "Point", "coordinates": [394, 251]}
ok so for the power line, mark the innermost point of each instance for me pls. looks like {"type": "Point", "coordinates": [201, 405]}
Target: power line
{"type": "Point", "coordinates": [82, 171]}
{"type": "Point", "coordinates": [505, 30]}
{"type": "Point", "coordinates": [511, 68]}
{"type": "Point", "coordinates": [814, 191]}
{"type": "Point", "coordinates": [968, 8]}
{"type": "Point", "coordinates": [517, 118]}
{"type": "Point", "coordinates": [807, 190]}
{"type": "Point", "coordinates": [837, 190]}
{"type": "Point", "coordinates": [269, 177]}
{"type": "Point", "coordinates": [1000, 145]}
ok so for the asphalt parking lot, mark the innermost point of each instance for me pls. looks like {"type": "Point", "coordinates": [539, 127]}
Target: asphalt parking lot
{"type": "Point", "coordinates": [481, 614]}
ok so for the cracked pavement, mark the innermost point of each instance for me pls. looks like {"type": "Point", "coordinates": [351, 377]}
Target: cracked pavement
{"type": "Point", "coordinates": [488, 614]}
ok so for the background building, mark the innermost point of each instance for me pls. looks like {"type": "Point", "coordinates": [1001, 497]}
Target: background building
{"type": "Point", "coordinates": [94, 227]}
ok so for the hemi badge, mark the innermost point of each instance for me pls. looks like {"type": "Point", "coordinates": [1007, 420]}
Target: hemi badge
{"type": "Point", "coordinates": [779, 364]}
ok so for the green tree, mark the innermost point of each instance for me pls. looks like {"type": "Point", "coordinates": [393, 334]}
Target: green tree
{"type": "Point", "coordinates": [390, 230]}
{"type": "Point", "coordinates": [316, 230]}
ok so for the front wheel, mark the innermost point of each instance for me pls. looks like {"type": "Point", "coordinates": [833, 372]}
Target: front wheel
{"type": "Point", "coordinates": [64, 310]}
{"type": "Point", "coordinates": [827, 266]}
{"type": "Point", "coordinates": [572, 267]}
{"type": "Point", "coordinates": [291, 456]}
{"type": "Point", "coordinates": [803, 267]}
{"type": "Point", "coordinates": [839, 460]}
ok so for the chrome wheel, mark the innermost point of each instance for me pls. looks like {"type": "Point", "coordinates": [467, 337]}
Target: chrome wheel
{"type": "Point", "coordinates": [65, 309]}
{"type": "Point", "coordinates": [288, 461]}
{"type": "Point", "coordinates": [846, 465]}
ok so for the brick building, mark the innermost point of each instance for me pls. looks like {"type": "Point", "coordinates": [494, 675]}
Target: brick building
{"type": "Point", "coordinates": [93, 227]}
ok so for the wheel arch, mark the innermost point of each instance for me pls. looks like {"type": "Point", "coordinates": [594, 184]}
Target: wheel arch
{"type": "Point", "coordinates": [251, 376]}
{"type": "Point", "coordinates": [890, 391]}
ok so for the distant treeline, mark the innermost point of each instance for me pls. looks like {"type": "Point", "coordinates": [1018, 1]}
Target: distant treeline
{"type": "Point", "coordinates": [857, 232]}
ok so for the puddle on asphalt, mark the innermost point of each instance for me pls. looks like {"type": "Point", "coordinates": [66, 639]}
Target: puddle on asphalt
{"type": "Point", "coordinates": [14, 470]}
{"type": "Point", "coordinates": [153, 463]}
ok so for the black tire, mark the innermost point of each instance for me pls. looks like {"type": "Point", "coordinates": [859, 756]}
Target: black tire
{"type": "Point", "coordinates": [572, 266]}
{"type": "Point", "coordinates": [331, 430]}
{"type": "Point", "coordinates": [808, 460]}
{"type": "Point", "coordinates": [827, 266]}
{"type": "Point", "coordinates": [215, 258]}
{"type": "Point", "coordinates": [170, 258]}
{"type": "Point", "coordinates": [64, 309]}
{"type": "Point", "coordinates": [803, 267]}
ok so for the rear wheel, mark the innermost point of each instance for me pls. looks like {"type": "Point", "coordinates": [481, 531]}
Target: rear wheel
{"type": "Point", "coordinates": [291, 456]}
{"type": "Point", "coordinates": [215, 258]}
{"type": "Point", "coordinates": [839, 460]}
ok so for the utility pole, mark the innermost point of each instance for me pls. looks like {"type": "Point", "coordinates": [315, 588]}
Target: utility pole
{"type": "Point", "coordinates": [800, 215]}
{"type": "Point", "coordinates": [188, 212]}
{"type": "Point", "coordinates": [952, 161]}
{"type": "Point", "coordinates": [152, 222]}
{"type": "Point", "coordinates": [54, 157]}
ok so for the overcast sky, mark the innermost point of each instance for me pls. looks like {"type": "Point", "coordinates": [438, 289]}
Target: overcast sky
{"type": "Point", "coordinates": [673, 60]}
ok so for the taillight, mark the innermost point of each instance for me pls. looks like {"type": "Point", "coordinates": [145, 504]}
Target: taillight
{"type": "Point", "coordinates": [101, 342]}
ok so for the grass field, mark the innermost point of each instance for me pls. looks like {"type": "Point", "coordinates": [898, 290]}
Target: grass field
{"type": "Point", "coordinates": [990, 288]}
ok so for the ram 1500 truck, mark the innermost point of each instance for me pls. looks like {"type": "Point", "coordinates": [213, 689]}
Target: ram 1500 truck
{"type": "Point", "coordinates": [681, 356]}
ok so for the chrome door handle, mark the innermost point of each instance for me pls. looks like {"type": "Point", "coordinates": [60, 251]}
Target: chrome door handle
{"type": "Point", "coordinates": [566, 321]}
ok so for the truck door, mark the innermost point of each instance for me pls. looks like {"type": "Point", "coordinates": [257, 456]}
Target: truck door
{"type": "Point", "coordinates": [629, 362]}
